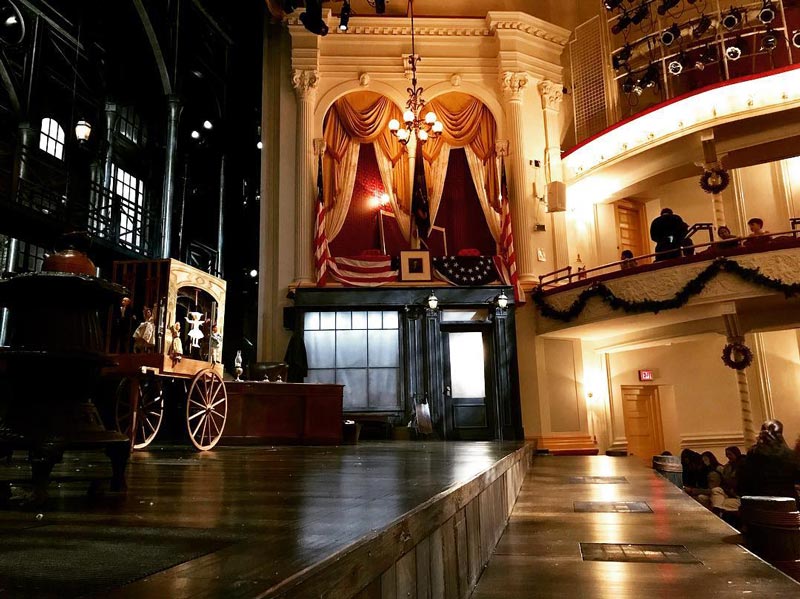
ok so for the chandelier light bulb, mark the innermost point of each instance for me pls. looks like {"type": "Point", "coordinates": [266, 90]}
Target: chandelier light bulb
{"type": "Point", "coordinates": [394, 125]}
{"type": "Point", "coordinates": [402, 134]}
{"type": "Point", "coordinates": [422, 135]}
{"type": "Point", "coordinates": [430, 118]}
{"type": "Point", "coordinates": [438, 127]}
{"type": "Point", "coordinates": [408, 116]}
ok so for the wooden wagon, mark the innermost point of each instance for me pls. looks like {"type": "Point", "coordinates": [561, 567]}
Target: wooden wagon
{"type": "Point", "coordinates": [169, 328]}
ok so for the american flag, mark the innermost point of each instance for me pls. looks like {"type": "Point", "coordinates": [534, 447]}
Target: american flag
{"type": "Point", "coordinates": [507, 239]}
{"type": "Point", "coordinates": [321, 253]}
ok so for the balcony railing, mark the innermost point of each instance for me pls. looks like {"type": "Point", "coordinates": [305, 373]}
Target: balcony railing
{"type": "Point", "coordinates": [562, 278]}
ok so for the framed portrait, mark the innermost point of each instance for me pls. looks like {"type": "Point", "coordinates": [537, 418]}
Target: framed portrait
{"type": "Point", "coordinates": [415, 265]}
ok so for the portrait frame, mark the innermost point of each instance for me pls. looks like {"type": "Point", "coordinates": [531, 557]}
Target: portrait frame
{"type": "Point", "coordinates": [415, 265]}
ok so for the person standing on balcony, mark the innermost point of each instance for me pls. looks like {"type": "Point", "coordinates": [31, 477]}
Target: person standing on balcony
{"type": "Point", "coordinates": [669, 232]}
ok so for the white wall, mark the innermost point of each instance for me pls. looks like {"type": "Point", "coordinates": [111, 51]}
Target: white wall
{"type": "Point", "coordinates": [782, 359]}
{"type": "Point", "coordinates": [706, 397]}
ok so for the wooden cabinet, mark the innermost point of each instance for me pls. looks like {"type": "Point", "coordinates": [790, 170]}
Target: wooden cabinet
{"type": "Point", "coordinates": [283, 413]}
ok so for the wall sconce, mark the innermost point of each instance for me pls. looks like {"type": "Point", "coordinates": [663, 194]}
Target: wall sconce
{"type": "Point", "coordinates": [502, 300]}
{"type": "Point", "coordinates": [83, 130]}
{"type": "Point", "coordinates": [432, 301]}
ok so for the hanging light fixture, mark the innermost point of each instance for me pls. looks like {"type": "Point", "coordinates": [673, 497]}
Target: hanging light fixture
{"type": "Point", "coordinates": [502, 300]}
{"type": "Point", "coordinates": [344, 16]}
{"type": "Point", "coordinates": [732, 19]}
{"type": "Point", "coordinates": [667, 5]}
{"type": "Point", "coordinates": [432, 301]}
{"type": "Point", "coordinates": [735, 50]}
{"type": "Point", "coordinates": [767, 13]}
{"type": "Point", "coordinates": [414, 122]}
{"type": "Point", "coordinates": [83, 130]}
{"type": "Point", "coordinates": [796, 39]}
{"type": "Point", "coordinates": [702, 26]}
{"type": "Point", "coordinates": [641, 13]}
{"type": "Point", "coordinates": [769, 41]}
{"type": "Point", "coordinates": [677, 64]}
{"type": "Point", "coordinates": [621, 58]}
{"type": "Point", "coordinates": [668, 36]}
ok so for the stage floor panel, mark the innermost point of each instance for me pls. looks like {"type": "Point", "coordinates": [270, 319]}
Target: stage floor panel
{"type": "Point", "coordinates": [675, 549]}
{"type": "Point", "coordinates": [232, 522]}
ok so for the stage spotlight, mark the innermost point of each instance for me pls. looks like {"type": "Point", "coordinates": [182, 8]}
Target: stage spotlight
{"type": "Point", "coordinates": [622, 24]}
{"type": "Point", "coordinates": [650, 77]}
{"type": "Point", "coordinates": [380, 6]}
{"type": "Point", "coordinates": [612, 4]}
{"type": "Point", "coordinates": [735, 50]}
{"type": "Point", "coordinates": [769, 41]}
{"type": "Point", "coordinates": [707, 56]}
{"type": "Point", "coordinates": [732, 19]}
{"type": "Point", "coordinates": [796, 39]}
{"type": "Point", "coordinates": [312, 18]}
{"type": "Point", "coordinates": [677, 64]}
{"type": "Point", "coordinates": [668, 36]}
{"type": "Point", "coordinates": [667, 5]}
{"type": "Point", "coordinates": [289, 6]}
{"type": "Point", "coordinates": [629, 85]}
{"type": "Point", "coordinates": [767, 13]}
{"type": "Point", "coordinates": [344, 16]}
{"type": "Point", "coordinates": [702, 26]}
{"type": "Point", "coordinates": [621, 58]}
{"type": "Point", "coordinates": [641, 13]}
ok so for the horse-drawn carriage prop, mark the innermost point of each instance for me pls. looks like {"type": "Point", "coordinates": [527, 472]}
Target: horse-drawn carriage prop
{"type": "Point", "coordinates": [169, 328]}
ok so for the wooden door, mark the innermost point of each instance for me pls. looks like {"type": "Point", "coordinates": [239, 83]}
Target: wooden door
{"type": "Point", "coordinates": [631, 227]}
{"type": "Point", "coordinates": [643, 429]}
{"type": "Point", "coordinates": [469, 398]}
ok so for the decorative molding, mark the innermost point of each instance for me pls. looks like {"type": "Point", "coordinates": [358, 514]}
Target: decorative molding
{"type": "Point", "coordinates": [552, 94]}
{"type": "Point", "coordinates": [513, 85]}
{"type": "Point", "coordinates": [320, 147]}
{"type": "Point", "coordinates": [528, 25]}
{"type": "Point", "coordinates": [364, 79]}
{"type": "Point", "coordinates": [712, 440]}
{"type": "Point", "coordinates": [501, 147]}
{"type": "Point", "coordinates": [305, 82]}
{"type": "Point", "coordinates": [455, 80]}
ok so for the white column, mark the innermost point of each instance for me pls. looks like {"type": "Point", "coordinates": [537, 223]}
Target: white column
{"type": "Point", "coordinates": [513, 86]}
{"type": "Point", "coordinates": [305, 84]}
{"type": "Point", "coordinates": [734, 335]}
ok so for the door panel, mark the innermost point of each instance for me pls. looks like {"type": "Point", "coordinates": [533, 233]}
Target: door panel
{"type": "Point", "coordinates": [643, 429]}
{"type": "Point", "coordinates": [468, 401]}
{"type": "Point", "coordinates": [631, 227]}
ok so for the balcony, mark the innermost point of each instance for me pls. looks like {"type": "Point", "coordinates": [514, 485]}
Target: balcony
{"type": "Point", "coordinates": [758, 280]}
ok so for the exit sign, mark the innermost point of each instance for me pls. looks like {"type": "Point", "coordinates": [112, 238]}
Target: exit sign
{"type": "Point", "coordinates": [645, 375]}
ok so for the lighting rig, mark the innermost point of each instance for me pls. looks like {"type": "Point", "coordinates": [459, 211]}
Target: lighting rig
{"type": "Point", "coordinates": [312, 17]}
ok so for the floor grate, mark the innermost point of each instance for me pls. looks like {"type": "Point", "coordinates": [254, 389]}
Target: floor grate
{"type": "Point", "coordinates": [621, 507]}
{"type": "Point", "coordinates": [653, 554]}
{"type": "Point", "coordinates": [597, 480]}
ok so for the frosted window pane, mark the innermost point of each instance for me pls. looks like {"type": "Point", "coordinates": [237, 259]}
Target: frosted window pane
{"type": "Point", "coordinates": [383, 389]}
{"type": "Point", "coordinates": [311, 322]}
{"type": "Point", "coordinates": [466, 365]}
{"type": "Point", "coordinates": [351, 349]}
{"type": "Point", "coordinates": [343, 320]}
{"type": "Point", "coordinates": [359, 320]}
{"type": "Point", "coordinates": [384, 349]}
{"type": "Point", "coordinates": [355, 388]}
{"type": "Point", "coordinates": [390, 320]}
{"type": "Point", "coordinates": [320, 349]}
{"type": "Point", "coordinates": [321, 376]}
{"type": "Point", "coordinates": [464, 315]}
{"type": "Point", "coordinates": [327, 320]}
{"type": "Point", "coordinates": [375, 320]}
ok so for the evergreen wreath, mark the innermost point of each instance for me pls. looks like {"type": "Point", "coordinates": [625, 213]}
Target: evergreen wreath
{"type": "Point", "coordinates": [744, 353]}
{"type": "Point", "coordinates": [680, 299]}
{"type": "Point", "coordinates": [715, 180]}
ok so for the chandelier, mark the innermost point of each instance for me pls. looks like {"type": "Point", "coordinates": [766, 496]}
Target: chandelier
{"type": "Point", "coordinates": [413, 121]}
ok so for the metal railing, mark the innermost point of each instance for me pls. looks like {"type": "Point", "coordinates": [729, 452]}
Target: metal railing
{"type": "Point", "coordinates": [631, 265]}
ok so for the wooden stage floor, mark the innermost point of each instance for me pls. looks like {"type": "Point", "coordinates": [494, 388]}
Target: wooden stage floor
{"type": "Point", "coordinates": [233, 522]}
{"type": "Point", "coordinates": [540, 554]}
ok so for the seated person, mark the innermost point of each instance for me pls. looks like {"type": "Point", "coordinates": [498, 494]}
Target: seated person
{"type": "Point", "coordinates": [627, 260]}
{"type": "Point", "coordinates": [771, 468]}
{"type": "Point", "coordinates": [727, 239]}
{"type": "Point", "coordinates": [725, 497]}
{"type": "Point", "coordinates": [758, 236]}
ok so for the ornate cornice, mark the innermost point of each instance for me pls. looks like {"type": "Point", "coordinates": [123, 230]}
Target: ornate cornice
{"type": "Point", "coordinates": [305, 82]}
{"type": "Point", "coordinates": [530, 30]}
{"type": "Point", "coordinates": [552, 94]}
{"type": "Point", "coordinates": [513, 85]}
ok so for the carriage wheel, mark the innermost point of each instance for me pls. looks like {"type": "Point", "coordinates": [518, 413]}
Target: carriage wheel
{"type": "Point", "coordinates": [147, 395]}
{"type": "Point", "coordinates": [206, 409]}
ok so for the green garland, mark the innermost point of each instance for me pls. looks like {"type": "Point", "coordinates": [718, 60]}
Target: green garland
{"type": "Point", "coordinates": [744, 356]}
{"type": "Point", "coordinates": [680, 299]}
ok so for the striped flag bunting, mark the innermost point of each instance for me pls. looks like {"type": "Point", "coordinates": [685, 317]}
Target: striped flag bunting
{"type": "Point", "coordinates": [507, 239]}
{"type": "Point", "coordinates": [321, 252]}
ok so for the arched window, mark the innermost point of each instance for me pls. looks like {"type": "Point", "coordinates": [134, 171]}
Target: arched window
{"type": "Point", "coordinates": [51, 138]}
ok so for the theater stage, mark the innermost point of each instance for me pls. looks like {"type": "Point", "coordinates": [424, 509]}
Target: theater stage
{"type": "Point", "coordinates": [365, 520]}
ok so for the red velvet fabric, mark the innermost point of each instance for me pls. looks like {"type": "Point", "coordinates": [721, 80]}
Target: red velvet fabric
{"type": "Point", "coordinates": [460, 212]}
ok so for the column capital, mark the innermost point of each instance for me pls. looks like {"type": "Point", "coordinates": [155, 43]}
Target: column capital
{"type": "Point", "coordinates": [513, 85]}
{"type": "Point", "coordinates": [552, 94]}
{"type": "Point", "coordinates": [305, 82]}
{"type": "Point", "coordinates": [501, 147]}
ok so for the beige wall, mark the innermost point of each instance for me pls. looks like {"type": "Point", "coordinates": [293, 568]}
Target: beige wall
{"type": "Point", "coordinates": [780, 395]}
